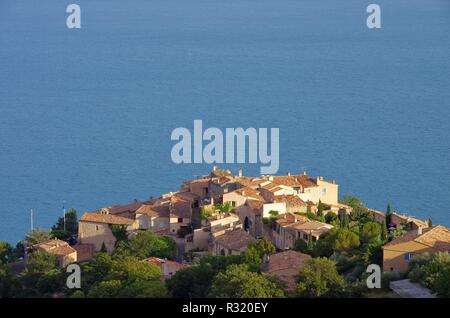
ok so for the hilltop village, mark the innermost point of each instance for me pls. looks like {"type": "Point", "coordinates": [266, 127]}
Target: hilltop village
{"type": "Point", "coordinates": [279, 228]}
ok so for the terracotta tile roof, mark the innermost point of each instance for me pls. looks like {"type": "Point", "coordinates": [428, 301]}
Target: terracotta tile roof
{"type": "Point", "coordinates": [153, 210]}
{"type": "Point", "coordinates": [249, 193]}
{"type": "Point", "coordinates": [201, 182]}
{"type": "Point", "coordinates": [437, 237]}
{"type": "Point", "coordinates": [295, 181]}
{"type": "Point", "coordinates": [250, 182]}
{"type": "Point", "coordinates": [311, 226]}
{"type": "Point", "coordinates": [285, 260]}
{"type": "Point", "coordinates": [62, 250]}
{"type": "Point", "coordinates": [236, 239]}
{"type": "Point", "coordinates": [173, 206]}
{"type": "Point", "coordinates": [315, 228]}
{"type": "Point", "coordinates": [115, 209]}
{"type": "Point", "coordinates": [291, 200]}
{"type": "Point", "coordinates": [186, 195]}
{"type": "Point", "coordinates": [409, 219]}
{"type": "Point", "coordinates": [180, 208]}
{"type": "Point", "coordinates": [270, 186]}
{"type": "Point", "coordinates": [105, 218]}
{"type": "Point", "coordinates": [55, 246]}
{"type": "Point", "coordinates": [289, 218]}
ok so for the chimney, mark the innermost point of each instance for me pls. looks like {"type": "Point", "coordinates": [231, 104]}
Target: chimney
{"type": "Point", "coordinates": [304, 172]}
{"type": "Point", "coordinates": [289, 173]}
{"type": "Point", "coordinates": [214, 168]}
{"type": "Point", "coordinates": [240, 173]}
{"type": "Point", "coordinates": [419, 230]}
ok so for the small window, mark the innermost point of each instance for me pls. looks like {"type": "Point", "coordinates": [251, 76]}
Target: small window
{"type": "Point", "coordinates": [96, 227]}
{"type": "Point", "coordinates": [206, 190]}
{"type": "Point", "coordinates": [233, 204]}
{"type": "Point", "coordinates": [324, 190]}
{"type": "Point", "coordinates": [180, 220]}
{"type": "Point", "coordinates": [408, 257]}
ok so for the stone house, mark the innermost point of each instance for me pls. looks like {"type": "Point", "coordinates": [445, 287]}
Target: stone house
{"type": "Point", "coordinates": [64, 252]}
{"type": "Point", "coordinates": [398, 253]}
{"type": "Point", "coordinates": [95, 229]}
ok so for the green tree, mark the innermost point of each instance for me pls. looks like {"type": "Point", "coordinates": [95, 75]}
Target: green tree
{"type": "Point", "coordinates": [320, 208]}
{"type": "Point", "coordinates": [191, 282]}
{"type": "Point", "coordinates": [351, 201]}
{"type": "Point", "coordinates": [238, 282]}
{"type": "Point", "coordinates": [300, 246]}
{"type": "Point", "coordinates": [131, 269]}
{"type": "Point", "coordinates": [442, 283]}
{"type": "Point", "coordinates": [330, 217]}
{"type": "Point", "coordinates": [97, 270]}
{"type": "Point", "coordinates": [71, 227]}
{"type": "Point", "coordinates": [370, 231]}
{"type": "Point", "coordinates": [319, 278]}
{"type": "Point", "coordinates": [253, 259]}
{"type": "Point", "coordinates": [106, 289]}
{"type": "Point", "coordinates": [41, 277]}
{"type": "Point", "coordinates": [206, 212]}
{"type": "Point", "coordinates": [37, 236]}
{"type": "Point", "coordinates": [119, 231]}
{"type": "Point", "coordinates": [399, 231]}
{"type": "Point", "coordinates": [263, 246]}
{"type": "Point", "coordinates": [388, 209]}
{"type": "Point", "coordinates": [255, 252]}
{"type": "Point", "coordinates": [6, 252]}
{"type": "Point", "coordinates": [384, 230]}
{"type": "Point", "coordinates": [430, 222]}
{"type": "Point", "coordinates": [5, 281]}
{"type": "Point", "coordinates": [195, 281]}
{"type": "Point", "coordinates": [344, 220]}
{"type": "Point", "coordinates": [373, 252]}
{"type": "Point", "coordinates": [144, 289]}
{"type": "Point", "coordinates": [273, 213]}
{"type": "Point", "coordinates": [226, 207]}
{"type": "Point", "coordinates": [440, 262]}
{"type": "Point", "coordinates": [346, 240]}
{"type": "Point", "coordinates": [146, 244]}
{"type": "Point", "coordinates": [77, 294]}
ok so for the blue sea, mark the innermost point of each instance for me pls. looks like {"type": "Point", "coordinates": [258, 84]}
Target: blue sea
{"type": "Point", "coordinates": [86, 115]}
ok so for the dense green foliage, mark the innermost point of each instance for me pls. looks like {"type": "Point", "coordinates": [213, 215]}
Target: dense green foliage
{"type": "Point", "coordinates": [71, 227]}
{"type": "Point", "coordinates": [37, 236]}
{"type": "Point", "coordinates": [432, 271]}
{"type": "Point", "coordinates": [195, 281]}
{"type": "Point", "coordinates": [320, 278]}
{"type": "Point", "coordinates": [146, 244]}
{"type": "Point", "coordinates": [237, 282]}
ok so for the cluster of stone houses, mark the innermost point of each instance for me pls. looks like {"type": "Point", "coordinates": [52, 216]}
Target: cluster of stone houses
{"type": "Point", "coordinates": [287, 198]}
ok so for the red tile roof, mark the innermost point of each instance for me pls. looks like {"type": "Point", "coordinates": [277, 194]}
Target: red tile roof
{"type": "Point", "coordinates": [105, 218]}
{"type": "Point", "coordinates": [437, 237]}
